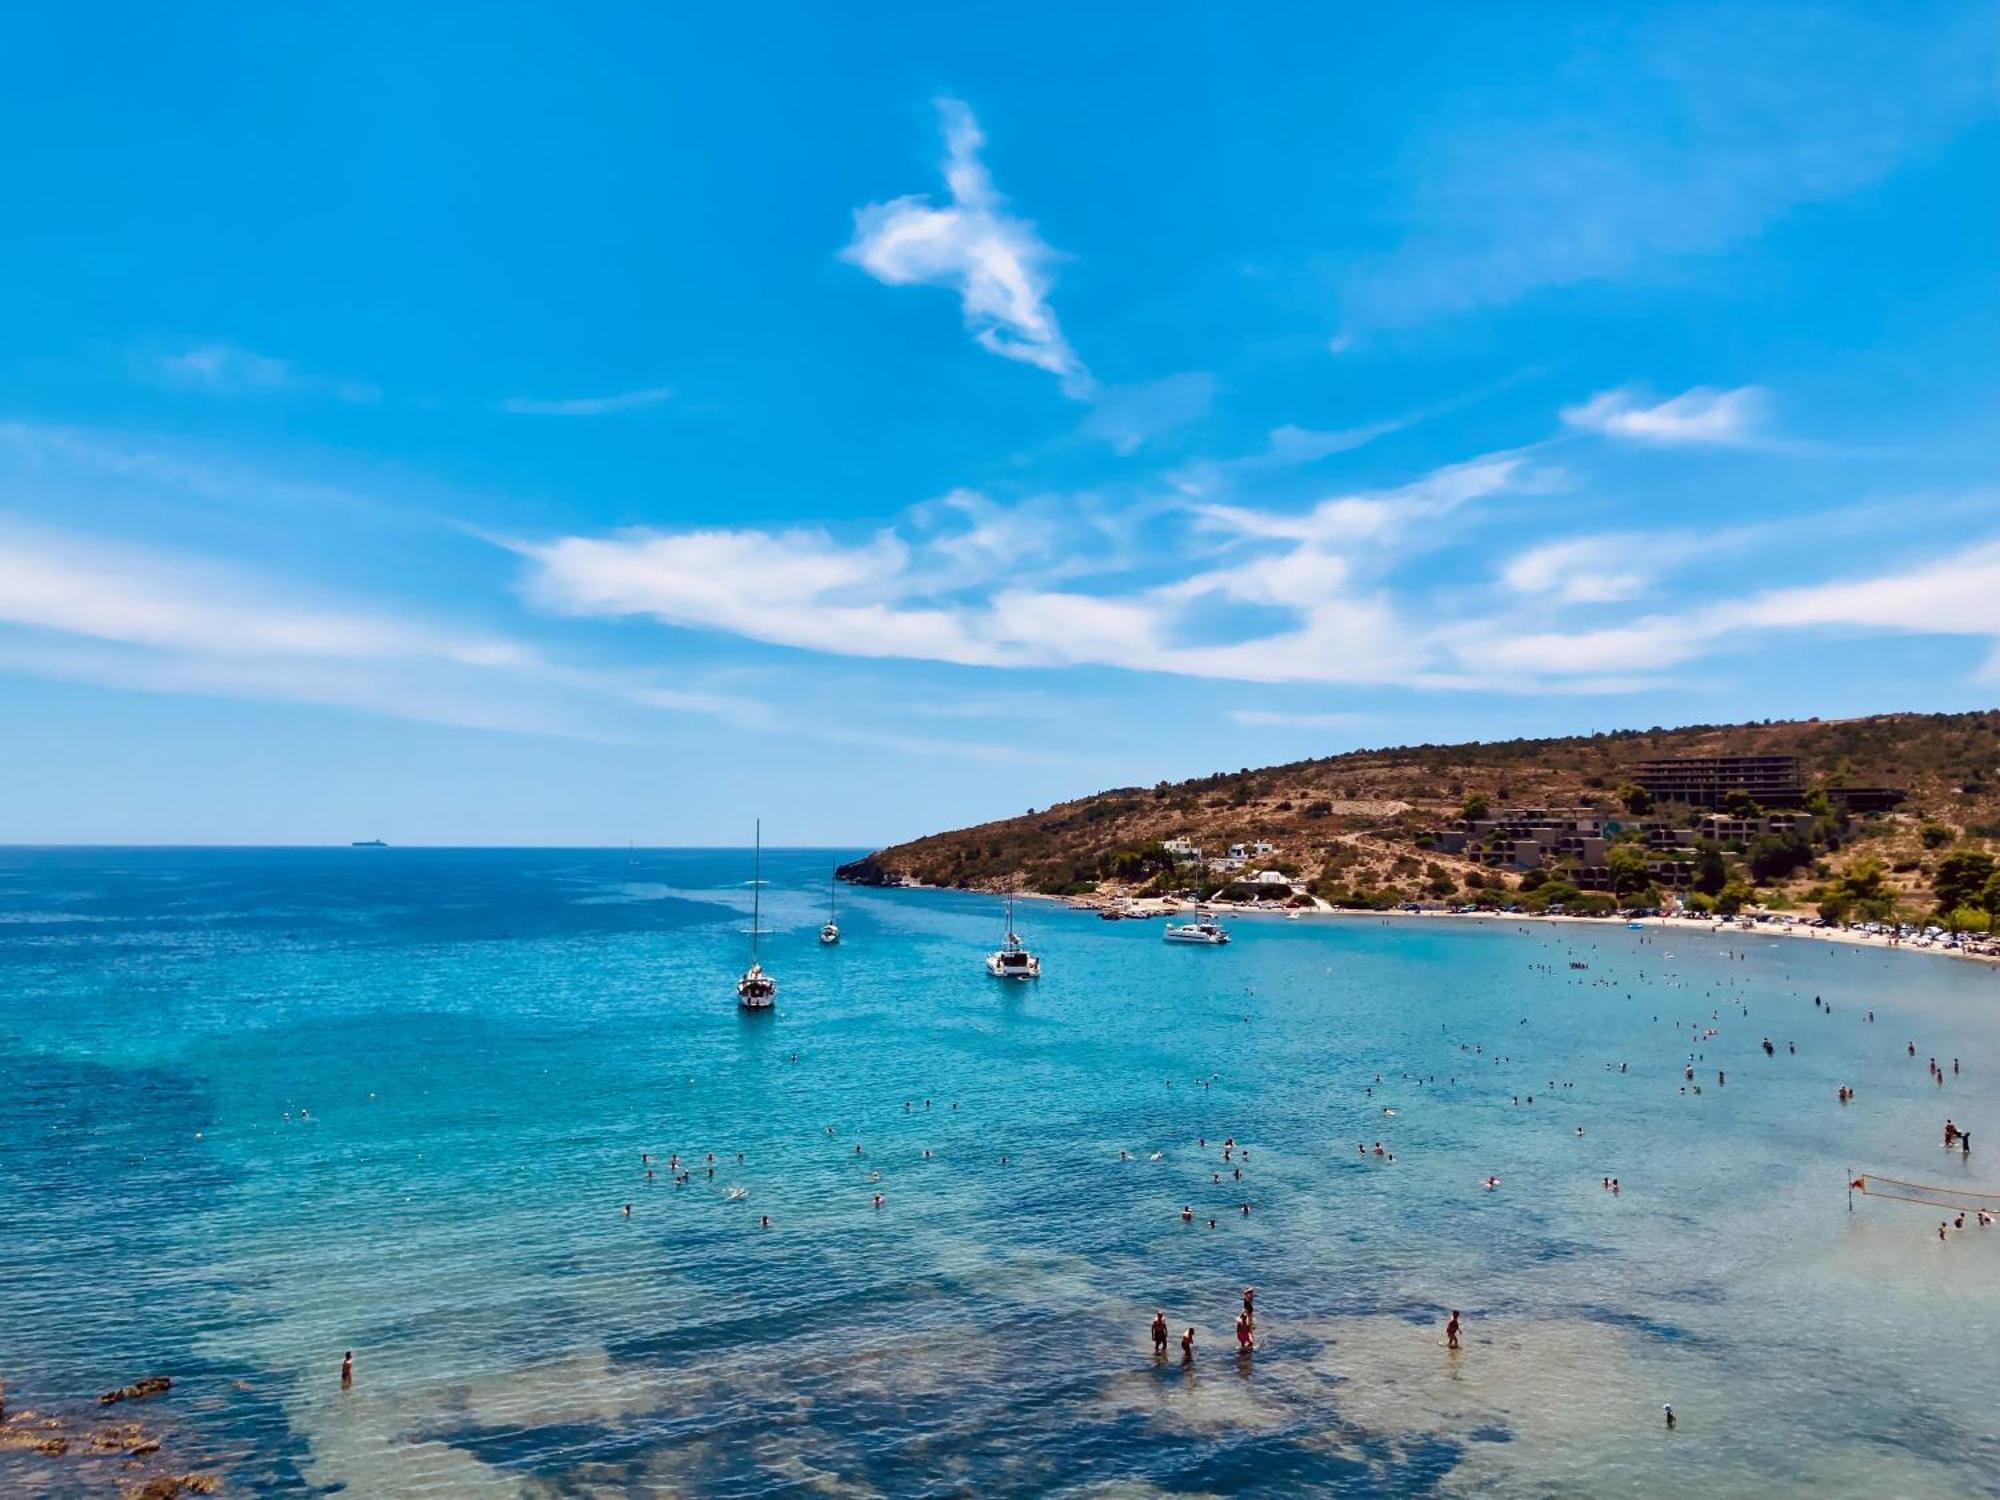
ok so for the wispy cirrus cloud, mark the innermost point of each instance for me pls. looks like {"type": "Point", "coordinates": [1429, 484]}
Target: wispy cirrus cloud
{"type": "Point", "coordinates": [1703, 416]}
{"type": "Point", "coordinates": [1306, 582]}
{"type": "Point", "coordinates": [1668, 136]}
{"type": "Point", "coordinates": [1265, 718]}
{"type": "Point", "coordinates": [971, 245]}
{"type": "Point", "coordinates": [226, 369]}
{"type": "Point", "coordinates": [587, 406]}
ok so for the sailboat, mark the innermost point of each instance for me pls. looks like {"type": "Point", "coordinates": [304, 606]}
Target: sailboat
{"type": "Point", "coordinates": [830, 933]}
{"type": "Point", "coordinates": [1011, 960]}
{"type": "Point", "coordinates": [757, 990]}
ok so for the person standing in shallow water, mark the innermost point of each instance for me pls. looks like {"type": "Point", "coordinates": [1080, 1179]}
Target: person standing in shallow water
{"type": "Point", "coordinates": [1451, 1332]}
{"type": "Point", "coordinates": [347, 1370]}
{"type": "Point", "coordinates": [1187, 1347]}
{"type": "Point", "coordinates": [1160, 1335]}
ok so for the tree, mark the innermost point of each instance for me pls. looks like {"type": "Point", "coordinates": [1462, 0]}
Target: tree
{"type": "Point", "coordinates": [1534, 879]}
{"type": "Point", "coordinates": [1773, 856]}
{"type": "Point", "coordinates": [1478, 805]}
{"type": "Point", "coordinates": [1629, 874]}
{"type": "Point", "coordinates": [1553, 893]}
{"type": "Point", "coordinates": [1732, 898]}
{"type": "Point", "coordinates": [1740, 804]}
{"type": "Point", "coordinates": [1711, 871]}
{"type": "Point", "coordinates": [1961, 878]}
{"type": "Point", "coordinates": [1989, 894]}
{"type": "Point", "coordinates": [1637, 799]}
{"type": "Point", "coordinates": [1936, 835]}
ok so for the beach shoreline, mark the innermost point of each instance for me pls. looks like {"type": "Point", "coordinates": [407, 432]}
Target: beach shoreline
{"type": "Point", "coordinates": [1145, 908]}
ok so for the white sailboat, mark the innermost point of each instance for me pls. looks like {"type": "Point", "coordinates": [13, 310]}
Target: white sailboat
{"type": "Point", "coordinates": [757, 990]}
{"type": "Point", "coordinates": [1011, 960]}
{"type": "Point", "coordinates": [1206, 931]}
{"type": "Point", "coordinates": [830, 933]}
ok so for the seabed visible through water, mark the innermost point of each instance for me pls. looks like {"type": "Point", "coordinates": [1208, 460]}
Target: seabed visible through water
{"type": "Point", "coordinates": [264, 1106]}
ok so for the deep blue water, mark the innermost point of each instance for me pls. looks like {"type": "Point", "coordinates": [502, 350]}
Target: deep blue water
{"type": "Point", "coordinates": [259, 1107]}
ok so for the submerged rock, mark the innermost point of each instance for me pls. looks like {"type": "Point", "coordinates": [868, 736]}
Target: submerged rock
{"type": "Point", "coordinates": [152, 1385]}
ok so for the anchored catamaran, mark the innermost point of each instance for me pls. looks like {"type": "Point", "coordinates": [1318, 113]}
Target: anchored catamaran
{"type": "Point", "coordinates": [1011, 960]}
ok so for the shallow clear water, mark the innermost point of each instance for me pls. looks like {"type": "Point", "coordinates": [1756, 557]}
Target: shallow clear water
{"type": "Point", "coordinates": [261, 1107]}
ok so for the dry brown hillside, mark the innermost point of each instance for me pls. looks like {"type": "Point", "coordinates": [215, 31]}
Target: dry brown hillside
{"type": "Point", "coordinates": [1357, 822]}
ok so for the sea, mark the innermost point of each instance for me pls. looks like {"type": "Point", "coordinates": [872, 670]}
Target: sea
{"type": "Point", "coordinates": [259, 1108]}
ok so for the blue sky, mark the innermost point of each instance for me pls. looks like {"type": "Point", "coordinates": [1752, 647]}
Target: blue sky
{"type": "Point", "coordinates": [501, 426]}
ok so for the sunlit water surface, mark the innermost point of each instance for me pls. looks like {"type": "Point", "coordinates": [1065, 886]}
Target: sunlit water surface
{"type": "Point", "coordinates": [262, 1107]}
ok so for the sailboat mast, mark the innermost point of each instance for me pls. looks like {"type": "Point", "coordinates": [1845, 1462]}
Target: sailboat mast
{"type": "Point", "coordinates": [757, 890]}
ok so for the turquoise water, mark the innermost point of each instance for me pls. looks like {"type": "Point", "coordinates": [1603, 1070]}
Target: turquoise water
{"type": "Point", "coordinates": [261, 1107]}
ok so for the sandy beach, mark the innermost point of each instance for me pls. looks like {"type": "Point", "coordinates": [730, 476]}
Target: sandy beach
{"type": "Point", "coordinates": [1777, 925]}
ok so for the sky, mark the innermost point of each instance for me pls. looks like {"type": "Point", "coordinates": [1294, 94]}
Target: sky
{"type": "Point", "coordinates": [533, 425]}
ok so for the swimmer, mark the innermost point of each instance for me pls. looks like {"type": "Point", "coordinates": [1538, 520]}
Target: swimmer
{"type": "Point", "coordinates": [878, 1200]}
{"type": "Point", "coordinates": [1187, 1214]}
{"type": "Point", "coordinates": [1492, 1183]}
{"type": "Point", "coordinates": [1672, 1422]}
{"type": "Point", "coordinates": [628, 1210]}
{"type": "Point", "coordinates": [1244, 1341]}
{"type": "Point", "coordinates": [1187, 1347]}
{"type": "Point", "coordinates": [1159, 1335]}
{"type": "Point", "coordinates": [347, 1370]}
{"type": "Point", "coordinates": [766, 1223]}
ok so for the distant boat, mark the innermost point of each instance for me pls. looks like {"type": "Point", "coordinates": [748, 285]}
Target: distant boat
{"type": "Point", "coordinates": [367, 844]}
{"type": "Point", "coordinates": [830, 933]}
{"type": "Point", "coordinates": [757, 990]}
{"type": "Point", "coordinates": [1011, 960]}
{"type": "Point", "coordinates": [1204, 932]}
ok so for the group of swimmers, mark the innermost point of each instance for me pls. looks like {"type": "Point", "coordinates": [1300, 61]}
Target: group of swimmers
{"type": "Point", "coordinates": [1246, 1331]}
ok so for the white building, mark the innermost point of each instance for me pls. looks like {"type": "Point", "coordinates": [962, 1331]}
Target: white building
{"type": "Point", "coordinates": [1270, 877]}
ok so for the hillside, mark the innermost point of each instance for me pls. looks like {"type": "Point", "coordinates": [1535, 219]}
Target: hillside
{"type": "Point", "coordinates": [1375, 826]}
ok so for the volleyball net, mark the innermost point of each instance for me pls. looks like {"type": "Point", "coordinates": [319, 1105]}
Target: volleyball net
{"type": "Point", "coordinates": [1875, 1186]}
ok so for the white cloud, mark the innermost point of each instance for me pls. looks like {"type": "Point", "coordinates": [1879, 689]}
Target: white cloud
{"type": "Point", "coordinates": [1699, 416]}
{"type": "Point", "coordinates": [961, 598]}
{"type": "Point", "coordinates": [587, 406]}
{"type": "Point", "coordinates": [973, 246]}
{"type": "Point", "coordinates": [1586, 570]}
{"type": "Point", "coordinates": [229, 370]}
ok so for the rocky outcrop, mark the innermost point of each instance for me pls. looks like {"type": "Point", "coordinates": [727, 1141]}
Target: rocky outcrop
{"type": "Point", "coordinates": [868, 870]}
{"type": "Point", "coordinates": [103, 1456]}
{"type": "Point", "coordinates": [138, 1390]}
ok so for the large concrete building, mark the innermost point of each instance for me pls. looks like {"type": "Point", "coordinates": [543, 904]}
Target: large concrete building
{"type": "Point", "coordinates": [1705, 780]}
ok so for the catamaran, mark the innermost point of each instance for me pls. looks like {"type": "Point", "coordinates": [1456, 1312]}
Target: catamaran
{"type": "Point", "coordinates": [1206, 931]}
{"type": "Point", "coordinates": [830, 933]}
{"type": "Point", "coordinates": [1011, 960]}
{"type": "Point", "coordinates": [757, 990]}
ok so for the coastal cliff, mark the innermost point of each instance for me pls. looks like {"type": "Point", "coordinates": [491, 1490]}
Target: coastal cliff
{"type": "Point", "coordinates": [1884, 799]}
